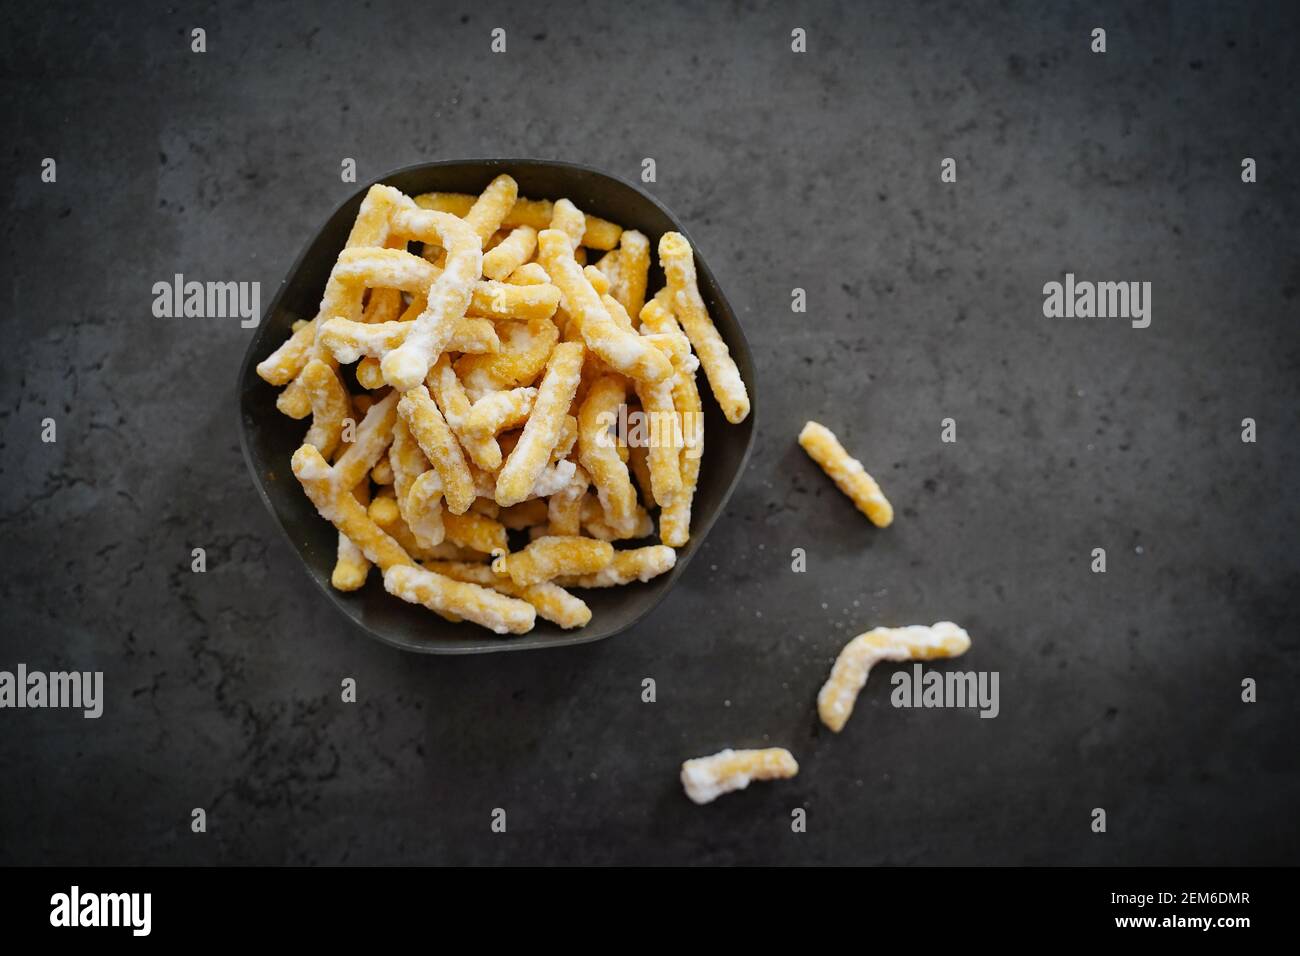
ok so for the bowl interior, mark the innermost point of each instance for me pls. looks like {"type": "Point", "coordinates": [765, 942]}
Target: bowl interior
{"type": "Point", "coordinates": [270, 438]}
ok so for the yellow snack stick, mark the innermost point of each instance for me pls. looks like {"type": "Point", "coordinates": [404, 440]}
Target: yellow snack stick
{"type": "Point", "coordinates": [675, 519]}
{"type": "Point", "coordinates": [551, 601]}
{"type": "Point", "coordinates": [849, 675]}
{"type": "Point", "coordinates": [511, 253]}
{"type": "Point", "coordinates": [530, 273]}
{"type": "Point", "coordinates": [600, 234]}
{"type": "Point", "coordinates": [382, 268]}
{"type": "Point", "coordinates": [525, 348]}
{"type": "Point", "coordinates": [595, 522]}
{"type": "Point", "coordinates": [568, 437]}
{"type": "Point", "coordinates": [551, 556]}
{"type": "Point", "coordinates": [499, 411]}
{"type": "Point", "coordinates": [707, 778]}
{"type": "Point", "coordinates": [622, 349]}
{"type": "Point", "coordinates": [439, 446]}
{"type": "Point", "coordinates": [568, 218]}
{"type": "Point", "coordinates": [347, 341]}
{"type": "Point", "coordinates": [598, 453]}
{"type": "Point", "coordinates": [523, 303]}
{"type": "Point", "coordinates": [329, 405]}
{"type": "Point", "coordinates": [526, 514]}
{"type": "Point", "coordinates": [678, 261]}
{"type": "Point", "coordinates": [634, 564]}
{"type": "Point", "coordinates": [351, 567]}
{"type": "Point", "coordinates": [384, 305]}
{"type": "Point", "coordinates": [368, 444]}
{"type": "Point", "coordinates": [368, 373]}
{"type": "Point", "coordinates": [447, 389]}
{"type": "Point", "coordinates": [639, 464]}
{"type": "Point", "coordinates": [409, 464]}
{"type": "Point", "coordinates": [491, 609]}
{"type": "Point", "coordinates": [541, 433]}
{"type": "Point", "coordinates": [452, 552]}
{"type": "Point", "coordinates": [617, 313]}
{"type": "Point", "coordinates": [633, 270]}
{"type": "Point", "coordinates": [599, 281]}
{"type": "Point", "coordinates": [665, 437]}
{"type": "Point", "coordinates": [492, 207]}
{"type": "Point", "coordinates": [476, 531]}
{"type": "Point", "coordinates": [657, 315]}
{"type": "Point", "coordinates": [564, 508]}
{"type": "Point", "coordinates": [424, 509]}
{"type": "Point", "coordinates": [382, 473]}
{"type": "Point", "coordinates": [406, 366]}
{"type": "Point", "coordinates": [339, 507]}
{"type": "Point", "coordinates": [847, 472]}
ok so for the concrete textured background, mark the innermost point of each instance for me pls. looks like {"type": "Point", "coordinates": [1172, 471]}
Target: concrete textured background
{"type": "Point", "coordinates": [820, 171]}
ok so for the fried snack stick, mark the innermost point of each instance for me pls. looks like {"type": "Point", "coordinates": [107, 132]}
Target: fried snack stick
{"type": "Point", "coordinates": [406, 366]}
{"type": "Point", "coordinates": [408, 463]}
{"type": "Point", "coordinates": [623, 350]}
{"type": "Point", "coordinates": [339, 507]}
{"type": "Point", "coordinates": [600, 233]}
{"type": "Point", "coordinates": [599, 456]}
{"type": "Point", "coordinates": [541, 433]}
{"type": "Point", "coordinates": [568, 218]}
{"type": "Point", "coordinates": [386, 515]}
{"type": "Point", "coordinates": [552, 602]}
{"type": "Point", "coordinates": [551, 556]}
{"type": "Point", "coordinates": [511, 253]}
{"type": "Point", "coordinates": [523, 354]}
{"type": "Point", "coordinates": [849, 675]}
{"type": "Point", "coordinates": [476, 531]}
{"type": "Point", "coordinates": [523, 303]}
{"type": "Point", "coordinates": [595, 523]}
{"type": "Point", "coordinates": [443, 382]}
{"type": "Point", "coordinates": [351, 568]}
{"type": "Point", "coordinates": [707, 778]}
{"type": "Point", "coordinates": [330, 405]}
{"type": "Point", "coordinates": [439, 446]}
{"type": "Point", "coordinates": [847, 472]}
{"type": "Point", "coordinates": [675, 520]}
{"type": "Point", "coordinates": [347, 341]}
{"type": "Point", "coordinates": [492, 207]}
{"type": "Point", "coordinates": [638, 463]}
{"type": "Point", "coordinates": [678, 263]}
{"type": "Point", "coordinates": [634, 564]}
{"type": "Point", "coordinates": [530, 273]}
{"type": "Point", "coordinates": [666, 442]}
{"type": "Point", "coordinates": [526, 514]}
{"type": "Point", "coordinates": [633, 270]}
{"type": "Point", "coordinates": [484, 606]}
{"type": "Point", "coordinates": [599, 281]}
{"type": "Point", "coordinates": [369, 229]}
{"type": "Point", "coordinates": [497, 412]}
{"type": "Point", "coordinates": [564, 508]}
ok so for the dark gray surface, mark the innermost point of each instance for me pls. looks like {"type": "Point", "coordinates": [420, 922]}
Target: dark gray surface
{"type": "Point", "coordinates": [820, 171]}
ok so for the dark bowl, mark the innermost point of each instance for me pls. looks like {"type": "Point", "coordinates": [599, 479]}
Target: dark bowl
{"type": "Point", "coordinates": [270, 438]}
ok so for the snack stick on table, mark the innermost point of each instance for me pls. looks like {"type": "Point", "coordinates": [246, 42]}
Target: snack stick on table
{"type": "Point", "coordinates": [406, 366]}
{"type": "Point", "coordinates": [564, 508]}
{"type": "Point", "coordinates": [530, 273]}
{"type": "Point", "coordinates": [499, 411]}
{"type": "Point", "coordinates": [707, 778]}
{"type": "Point", "coordinates": [524, 351]}
{"type": "Point", "coordinates": [330, 405]}
{"type": "Point", "coordinates": [492, 207]}
{"type": "Point", "coordinates": [675, 519]}
{"type": "Point", "coordinates": [473, 530]}
{"type": "Point", "coordinates": [552, 602]}
{"type": "Point", "coordinates": [625, 351]}
{"type": "Point", "coordinates": [533, 450]}
{"type": "Point", "coordinates": [847, 472]}
{"type": "Point", "coordinates": [849, 675]}
{"type": "Point", "coordinates": [633, 270]}
{"type": "Point", "coordinates": [599, 456]}
{"type": "Point", "coordinates": [439, 446]}
{"type": "Point", "coordinates": [634, 564]}
{"type": "Point", "coordinates": [568, 218]}
{"type": "Point", "coordinates": [678, 261]}
{"type": "Point", "coordinates": [551, 556]}
{"type": "Point", "coordinates": [456, 408]}
{"type": "Point", "coordinates": [601, 234]}
{"type": "Point", "coordinates": [484, 606]}
{"type": "Point", "coordinates": [339, 507]}
{"type": "Point", "coordinates": [511, 253]}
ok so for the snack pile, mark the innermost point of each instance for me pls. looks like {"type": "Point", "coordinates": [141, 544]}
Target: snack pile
{"type": "Point", "coordinates": [464, 377]}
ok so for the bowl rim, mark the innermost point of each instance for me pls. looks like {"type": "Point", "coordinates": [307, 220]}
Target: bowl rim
{"type": "Point", "coordinates": [497, 643]}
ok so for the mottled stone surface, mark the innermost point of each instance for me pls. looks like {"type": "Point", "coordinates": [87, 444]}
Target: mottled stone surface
{"type": "Point", "coordinates": [818, 171]}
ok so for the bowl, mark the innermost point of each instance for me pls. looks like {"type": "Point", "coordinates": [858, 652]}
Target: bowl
{"type": "Point", "coordinates": [269, 438]}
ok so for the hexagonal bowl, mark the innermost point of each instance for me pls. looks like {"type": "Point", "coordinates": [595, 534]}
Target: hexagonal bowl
{"type": "Point", "coordinates": [269, 438]}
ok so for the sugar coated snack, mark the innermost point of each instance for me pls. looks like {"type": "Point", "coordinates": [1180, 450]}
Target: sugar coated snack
{"type": "Point", "coordinates": [847, 472]}
{"type": "Point", "coordinates": [459, 388]}
{"type": "Point", "coordinates": [707, 778]}
{"type": "Point", "coordinates": [849, 675]}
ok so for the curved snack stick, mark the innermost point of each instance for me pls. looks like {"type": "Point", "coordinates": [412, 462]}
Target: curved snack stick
{"type": "Point", "coordinates": [552, 602]}
{"type": "Point", "coordinates": [483, 450]}
{"type": "Point", "coordinates": [678, 262]}
{"type": "Point", "coordinates": [476, 531]}
{"type": "Point", "coordinates": [351, 568]}
{"type": "Point", "coordinates": [439, 446]}
{"type": "Point", "coordinates": [491, 609]}
{"type": "Point", "coordinates": [406, 366]}
{"type": "Point", "coordinates": [530, 273]}
{"type": "Point", "coordinates": [915, 643]}
{"type": "Point", "coordinates": [492, 207]}
{"type": "Point", "coordinates": [675, 520]}
{"type": "Point", "coordinates": [524, 351]}
{"type": "Point", "coordinates": [341, 509]}
{"type": "Point", "coordinates": [424, 508]}
{"type": "Point", "coordinates": [329, 405]}
{"type": "Point", "coordinates": [599, 456]}
{"type": "Point", "coordinates": [600, 234]}
{"type": "Point", "coordinates": [847, 472]}
{"type": "Point", "coordinates": [634, 564]}
{"type": "Point", "coordinates": [368, 444]}
{"type": "Point", "coordinates": [564, 508]}
{"type": "Point", "coordinates": [633, 270]}
{"type": "Point", "coordinates": [707, 778]}
{"type": "Point", "coordinates": [533, 451]}
{"type": "Point", "coordinates": [550, 556]}
{"type": "Point", "coordinates": [511, 253]}
{"type": "Point", "coordinates": [499, 411]}
{"type": "Point", "coordinates": [347, 341]}
{"type": "Point", "coordinates": [625, 351]}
